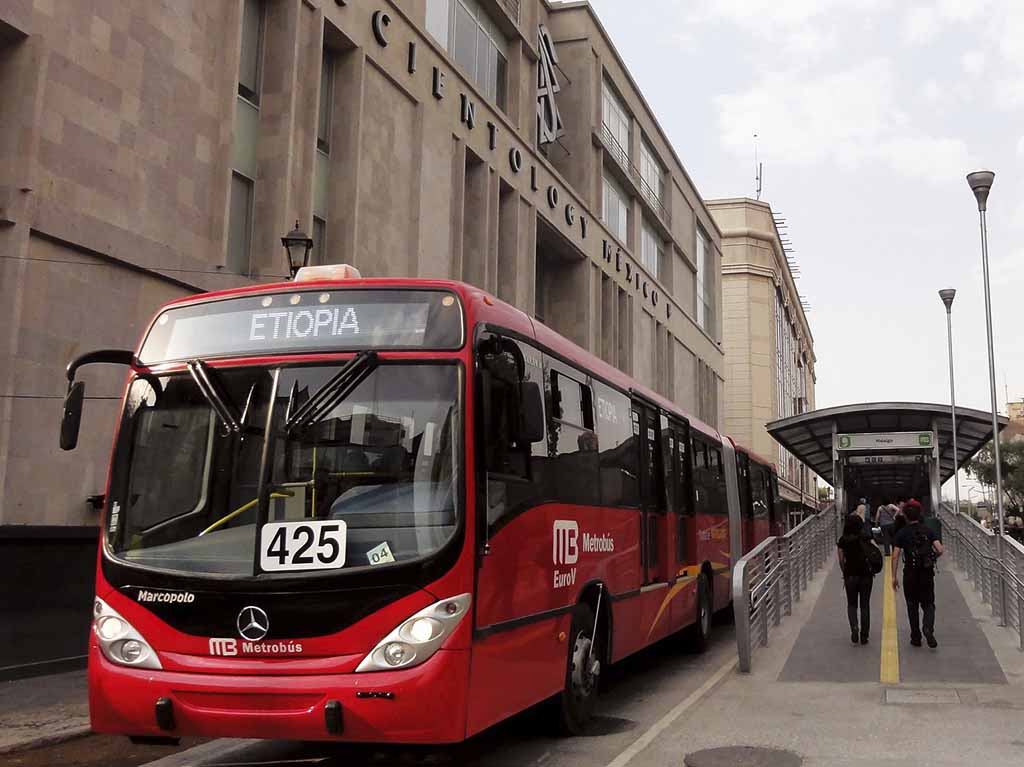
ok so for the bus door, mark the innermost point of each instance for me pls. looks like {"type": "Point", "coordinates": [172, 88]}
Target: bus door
{"type": "Point", "coordinates": [652, 496]}
{"type": "Point", "coordinates": [675, 439]}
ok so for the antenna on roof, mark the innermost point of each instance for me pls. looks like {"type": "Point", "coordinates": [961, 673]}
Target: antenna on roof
{"type": "Point", "coordinates": [758, 172]}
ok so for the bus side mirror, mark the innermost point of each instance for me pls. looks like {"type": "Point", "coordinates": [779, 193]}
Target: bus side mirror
{"type": "Point", "coordinates": [531, 413]}
{"type": "Point", "coordinates": [72, 418]}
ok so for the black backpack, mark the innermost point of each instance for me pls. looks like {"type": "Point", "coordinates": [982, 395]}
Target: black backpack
{"type": "Point", "coordinates": [872, 556]}
{"type": "Point", "coordinates": [921, 553]}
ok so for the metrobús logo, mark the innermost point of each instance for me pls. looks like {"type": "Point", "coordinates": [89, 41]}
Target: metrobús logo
{"type": "Point", "coordinates": [566, 549]}
{"type": "Point", "coordinates": [166, 597]}
{"type": "Point", "coordinates": [228, 647]}
{"type": "Point", "coordinates": [566, 546]}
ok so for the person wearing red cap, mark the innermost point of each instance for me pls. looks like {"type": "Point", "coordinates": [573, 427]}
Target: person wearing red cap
{"type": "Point", "coordinates": [919, 547]}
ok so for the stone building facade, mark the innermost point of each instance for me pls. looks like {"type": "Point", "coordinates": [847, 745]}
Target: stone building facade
{"type": "Point", "coordinates": [769, 348]}
{"type": "Point", "coordinates": [149, 150]}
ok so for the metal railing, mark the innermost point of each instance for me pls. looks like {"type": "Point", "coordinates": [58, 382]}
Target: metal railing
{"type": "Point", "coordinates": [1000, 584]}
{"type": "Point", "coordinates": [647, 192]}
{"type": "Point", "coordinates": [768, 580]}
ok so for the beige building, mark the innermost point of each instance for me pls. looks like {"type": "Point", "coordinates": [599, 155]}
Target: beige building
{"type": "Point", "coordinates": [769, 349]}
{"type": "Point", "coordinates": [152, 150]}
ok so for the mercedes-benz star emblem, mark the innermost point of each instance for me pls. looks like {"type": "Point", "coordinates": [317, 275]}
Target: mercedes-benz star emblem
{"type": "Point", "coordinates": [253, 623]}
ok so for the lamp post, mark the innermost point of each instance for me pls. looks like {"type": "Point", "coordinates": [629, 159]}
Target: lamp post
{"type": "Point", "coordinates": [947, 297]}
{"type": "Point", "coordinates": [297, 245]}
{"type": "Point", "coordinates": [980, 182]}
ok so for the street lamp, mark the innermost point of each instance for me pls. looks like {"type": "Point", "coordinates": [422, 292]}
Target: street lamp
{"type": "Point", "coordinates": [980, 182]}
{"type": "Point", "coordinates": [947, 297]}
{"type": "Point", "coordinates": [297, 245]}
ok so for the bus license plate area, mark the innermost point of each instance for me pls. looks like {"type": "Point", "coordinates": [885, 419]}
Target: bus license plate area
{"type": "Point", "coordinates": [306, 545]}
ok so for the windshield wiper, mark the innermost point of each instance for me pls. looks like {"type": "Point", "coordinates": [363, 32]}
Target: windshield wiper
{"type": "Point", "coordinates": [332, 393]}
{"type": "Point", "coordinates": [203, 375]}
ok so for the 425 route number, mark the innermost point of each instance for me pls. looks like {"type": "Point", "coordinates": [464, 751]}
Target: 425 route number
{"type": "Point", "coordinates": [308, 545]}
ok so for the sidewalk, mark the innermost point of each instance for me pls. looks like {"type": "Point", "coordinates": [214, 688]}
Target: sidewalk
{"type": "Point", "coordinates": [818, 697]}
{"type": "Point", "coordinates": [43, 710]}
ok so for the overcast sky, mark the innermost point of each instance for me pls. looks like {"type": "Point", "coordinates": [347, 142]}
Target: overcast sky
{"type": "Point", "coordinates": [869, 113]}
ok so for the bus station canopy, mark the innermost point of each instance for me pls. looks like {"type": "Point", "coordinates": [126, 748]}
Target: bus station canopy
{"type": "Point", "coordinates": [809, 436]}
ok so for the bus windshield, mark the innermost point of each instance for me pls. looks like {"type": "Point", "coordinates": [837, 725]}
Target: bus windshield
{"type": "Point", "coordinates": [376, 474]}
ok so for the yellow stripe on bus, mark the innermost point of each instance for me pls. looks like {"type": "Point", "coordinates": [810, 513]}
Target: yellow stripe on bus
{"type": "Point", "coordinates": [890, 670]}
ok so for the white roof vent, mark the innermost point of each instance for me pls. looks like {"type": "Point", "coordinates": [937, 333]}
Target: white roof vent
{"type": "Point", "coordinates": [327, 272]}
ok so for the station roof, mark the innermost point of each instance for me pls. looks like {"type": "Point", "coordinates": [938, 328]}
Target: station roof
{"type": "Point", "coordinates": [809, 436]}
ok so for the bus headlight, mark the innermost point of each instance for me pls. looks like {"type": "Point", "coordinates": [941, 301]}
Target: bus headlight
{"type": "Point", "coordinates": [417, 638]}
{"type": "Point", "coordinates": [119, 641]}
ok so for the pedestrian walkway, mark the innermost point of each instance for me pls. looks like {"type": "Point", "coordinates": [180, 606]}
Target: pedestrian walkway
{"type": "Point", "coordinates": [42, 710]}
{"type": "Point", "coordinates": [821, 698]}
{"type": "Point", "coordinates": [824, 653]}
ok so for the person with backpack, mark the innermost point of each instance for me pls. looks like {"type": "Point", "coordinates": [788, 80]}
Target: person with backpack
{"type": "Point", "coordinates": [919, 547]}
{"type": "Point", "coordinates": [860, 560]}
{"type": "Point", "coordinates": [885, 520]}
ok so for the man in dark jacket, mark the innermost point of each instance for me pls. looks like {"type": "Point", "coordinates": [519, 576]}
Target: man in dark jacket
{"type": "Point", "coordinates": [919, 547]}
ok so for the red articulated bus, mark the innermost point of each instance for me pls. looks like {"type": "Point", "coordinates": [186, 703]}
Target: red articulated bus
{"type": "Point", "coordinates": [392, 511]}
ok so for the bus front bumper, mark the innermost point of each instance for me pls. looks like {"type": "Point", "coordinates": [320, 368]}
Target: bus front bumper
{"type": "Point", "coordinates": [420, 705]}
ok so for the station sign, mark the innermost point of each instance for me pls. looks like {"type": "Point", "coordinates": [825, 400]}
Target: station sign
{"type": "Point", "coordinates": [884, 460]}
{"type": "Point", "coordinates": [897, 440]}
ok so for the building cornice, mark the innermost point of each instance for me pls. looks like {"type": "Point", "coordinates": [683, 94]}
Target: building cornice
{"type": "Point", "coordinates": [575, 5]}
{"type": "Point", "coordinates": [779, 253]}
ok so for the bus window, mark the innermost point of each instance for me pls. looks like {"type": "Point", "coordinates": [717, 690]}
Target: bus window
{"type": "Point", "coordinates": [717, 478]}
{"type": "Point", "coordinates": [743, 474]}
{"type": "Point", "coordinates": [572, 470]}
{"type": "Point", "coordinates": [760, 490]}
{"type": "Point", "coordinates": [618, 448]}
{"type": "Point", "coordinates": [702, 484]}
{"type": "Point", "coordinates": [651, 485]}
{"type": "Point", "coordinates": [668, 451]}
{"type": "Point", "coordinates": [514, 472]}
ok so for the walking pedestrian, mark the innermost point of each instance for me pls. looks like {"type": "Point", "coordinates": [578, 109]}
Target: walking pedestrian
{"type": "Point", "coordinates": [885, 520]}
{"type": "Point", "coordinates": [899, 519]}
{"type": "Point", "coordinates": [919, 547]}
{"type": "Point", "coordinates": [862, 510]}
{"type": "Point", "coordinates": [857, 577]}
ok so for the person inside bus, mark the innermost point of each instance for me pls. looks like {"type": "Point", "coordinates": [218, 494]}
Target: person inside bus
{"type": "Point", "coordinates": [857, 577]}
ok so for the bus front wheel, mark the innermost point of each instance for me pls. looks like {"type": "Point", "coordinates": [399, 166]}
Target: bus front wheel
{"type": "Point", "coordinates": [583, 670]}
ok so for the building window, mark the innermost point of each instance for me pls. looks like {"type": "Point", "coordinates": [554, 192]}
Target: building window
{"type": "Point", "coordinates": [250, 63]}
{"type": "Point", "coordinates": [615, 209]}
{"type": "Point", "coordinates": [318, 256]}
{"type": "Point", "coordinates": [652, 174]}
{"type": "Point", "coordinates": [326, 109]}
{"type": "Point", "coordinates": [705, 258]}
{"type": "Point", "coordinates": [240, 223]}
{"type": "Point", "coordinates": [321, 170]}
{"type": "Point", "coordinates": [474, 41]}
{"type": "Point", "coordinates": [616, 123]}
{"type": "Point", "coordinates": [651, 251]}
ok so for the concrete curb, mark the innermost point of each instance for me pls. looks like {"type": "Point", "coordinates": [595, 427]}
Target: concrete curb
{"type": "Point", "coordinates": [47, 740]}
{"type": "Point", "coordinates": [193, 757]}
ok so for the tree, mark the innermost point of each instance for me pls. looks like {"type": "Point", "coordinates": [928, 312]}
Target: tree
{"type": "Point", "coordinates": [1011, 454]}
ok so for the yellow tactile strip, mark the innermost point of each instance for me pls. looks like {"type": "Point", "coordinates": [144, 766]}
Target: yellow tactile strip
{"type": "Point", "coordinates": [890, 666]}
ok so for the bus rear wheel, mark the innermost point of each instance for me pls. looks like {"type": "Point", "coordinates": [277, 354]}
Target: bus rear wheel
{"type": "Point", "coordinates": [700, 631]}
{"type": "Point", "coordinates": [583, 670]}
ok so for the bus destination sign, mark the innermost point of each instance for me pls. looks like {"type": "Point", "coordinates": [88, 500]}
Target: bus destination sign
{"type": "Point", "coordinates": [310, 320]}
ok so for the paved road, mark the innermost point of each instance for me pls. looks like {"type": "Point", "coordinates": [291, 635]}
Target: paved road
{"type": "Point", "coordinates": [636, 694]}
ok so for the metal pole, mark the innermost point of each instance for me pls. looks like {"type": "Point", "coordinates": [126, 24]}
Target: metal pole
{"type": "Point", "coordinates": [952, 396]}
{"type": "Point", "coordinates": [992, 383]}
{"type": "Point", "coordinates": [981, 184]}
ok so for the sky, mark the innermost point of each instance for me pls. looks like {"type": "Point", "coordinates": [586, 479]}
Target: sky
{"type": "Point", "coordinates": [868, 116]}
